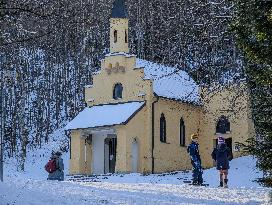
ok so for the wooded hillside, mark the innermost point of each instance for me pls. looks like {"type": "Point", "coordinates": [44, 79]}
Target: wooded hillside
{"type": "Point", "coordinates": [49, 49]}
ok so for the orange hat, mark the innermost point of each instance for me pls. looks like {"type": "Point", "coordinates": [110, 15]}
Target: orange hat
{"type": "Point", "coordinates": [194, 136]}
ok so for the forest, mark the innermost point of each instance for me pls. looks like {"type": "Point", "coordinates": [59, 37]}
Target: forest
{"type": "Point", "coordinates": [49, 50]}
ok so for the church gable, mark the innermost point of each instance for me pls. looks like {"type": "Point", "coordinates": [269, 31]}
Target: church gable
{"type": "Point", "coordinates": [118, 81]}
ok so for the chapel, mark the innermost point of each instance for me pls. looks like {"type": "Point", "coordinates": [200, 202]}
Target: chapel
{"type": "Point", "coordinates": [140, 114]}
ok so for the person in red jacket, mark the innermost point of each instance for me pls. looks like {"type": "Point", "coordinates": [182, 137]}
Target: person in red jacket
{"type": "Point", "coordinates": [55, 167]}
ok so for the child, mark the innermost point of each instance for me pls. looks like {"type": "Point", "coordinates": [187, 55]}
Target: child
{"type": "Point", "coordinates": [222, 155]}
{"type": "Point", "coordinates": [195, 160]}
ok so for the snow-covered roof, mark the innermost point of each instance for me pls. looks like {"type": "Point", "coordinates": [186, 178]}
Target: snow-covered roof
{"type": "Point", "coordinates": [104, 115]}
{"type": "Point", "coordinates": [170, 82]}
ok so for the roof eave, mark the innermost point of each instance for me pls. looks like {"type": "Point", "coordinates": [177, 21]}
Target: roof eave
{"type": "Point", "coordinates": [182, 101]}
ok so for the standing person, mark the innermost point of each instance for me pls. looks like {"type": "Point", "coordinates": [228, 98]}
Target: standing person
{"type": "Point", "coordinates": [195, 160]}
{"type": "Point", "coordinates": [55, 167]}
{"type": "Point", "coordinates": [222, 155]}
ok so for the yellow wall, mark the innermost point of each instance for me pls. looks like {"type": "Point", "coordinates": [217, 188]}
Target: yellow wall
{"type": "Point", "coordinates": [232, 102]}
{"type": "Point", "coordinates": [135, 129]}
{"type": "Point", "coordinates": [78, 163]}
{"type": "Point", "coordinates": [171, 156]}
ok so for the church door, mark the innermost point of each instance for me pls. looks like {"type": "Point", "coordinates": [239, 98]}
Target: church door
{"type": "Point", "coordinates": [112, 154]}
{"type": "Point", "coordinates": [134, 159]}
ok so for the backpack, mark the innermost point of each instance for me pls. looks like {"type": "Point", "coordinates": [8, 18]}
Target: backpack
{"type": "Point", "coordinates": [51, 166]}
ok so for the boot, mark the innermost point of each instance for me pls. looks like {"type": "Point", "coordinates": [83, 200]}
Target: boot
{"type": "Point", "coordinates": [225, 184]}
{"type": "Point", "coordinates": [221, 184]}
{"type": "Point", "coordinates": [195, 183]}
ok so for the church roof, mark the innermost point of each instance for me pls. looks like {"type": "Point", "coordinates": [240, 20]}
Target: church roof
{"type": "Point", "coordinates": [105, 115]}
{"type": "Point", "coordinates": [119, 9]}
{"type": "Point", "coordinates": [170, 82]}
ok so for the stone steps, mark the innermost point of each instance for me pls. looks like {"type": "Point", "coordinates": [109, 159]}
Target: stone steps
{"type": "Point", "coordinates": [85, 178]}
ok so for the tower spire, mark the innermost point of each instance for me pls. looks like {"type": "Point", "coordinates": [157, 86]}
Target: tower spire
{"type": "Point", "coordinates": [119, 9]}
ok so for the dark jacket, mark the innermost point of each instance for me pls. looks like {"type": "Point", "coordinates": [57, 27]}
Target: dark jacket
{"type": "Point", "coordinates": [58, 174]}
{"type": "Point", "coordinates": [222, 155]}
{"type": "Point", "coordinates": [194, 154]}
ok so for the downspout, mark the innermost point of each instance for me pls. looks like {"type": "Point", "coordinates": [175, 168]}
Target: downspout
{"type": "Point", "coordinates": [85, 156]}
{"type": "Point", "coordinates": [153, 132]}
{"type": "Point", "coordinates": [68, 135]}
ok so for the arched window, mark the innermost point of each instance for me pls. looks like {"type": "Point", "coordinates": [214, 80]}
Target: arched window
{"type": "Point", "coordinates": [162, 128]}
{"type": "Point", "coordinates": [115, 36]}
{"type": "Point", "coordinates": [126, 36]}
{"type": "Point", "coordinates": [181, 132]}
{"type": "Point", "coordinates": [223, 125]}
{"type": "Point", "coordinates": [118, 91]}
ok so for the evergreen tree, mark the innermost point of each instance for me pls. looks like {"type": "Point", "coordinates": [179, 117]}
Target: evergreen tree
{"type": "Point", "coordinates": [253, 29]}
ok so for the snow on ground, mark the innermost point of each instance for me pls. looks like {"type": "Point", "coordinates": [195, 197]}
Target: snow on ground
{"type": "Point", "coordinates": [32, 188]}
{"type": "Point", "coordinates": [43, 192]}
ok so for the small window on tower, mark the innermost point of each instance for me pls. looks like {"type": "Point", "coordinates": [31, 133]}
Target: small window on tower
{"type": "Point", "coordinates": [115, 36]}
{"type": "Point", "coordinates": [126, 36]}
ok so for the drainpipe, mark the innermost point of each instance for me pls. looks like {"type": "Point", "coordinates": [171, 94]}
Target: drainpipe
{"type": "Point", "coordinates": [153, 131]}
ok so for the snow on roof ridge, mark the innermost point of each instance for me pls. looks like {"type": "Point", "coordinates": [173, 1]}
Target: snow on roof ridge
{"type": "Point", "coordinates": [170, 82]}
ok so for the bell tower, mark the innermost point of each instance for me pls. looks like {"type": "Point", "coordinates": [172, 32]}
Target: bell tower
{"type": "Point", "coordinates": [119, 28]}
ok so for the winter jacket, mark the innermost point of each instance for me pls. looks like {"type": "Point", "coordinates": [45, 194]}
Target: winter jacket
{"type": "Point", "coordinates": [222, 155]}
{"type": "Point", "coordinates": [194, 154]}
{"type": "Point", "coordinates": [59, 173]}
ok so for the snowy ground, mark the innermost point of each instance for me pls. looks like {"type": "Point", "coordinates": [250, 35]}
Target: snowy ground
{"type": "Point", "coordinates": [26, 189]}
{"type": "Point", "coordinates": [32, 188]}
